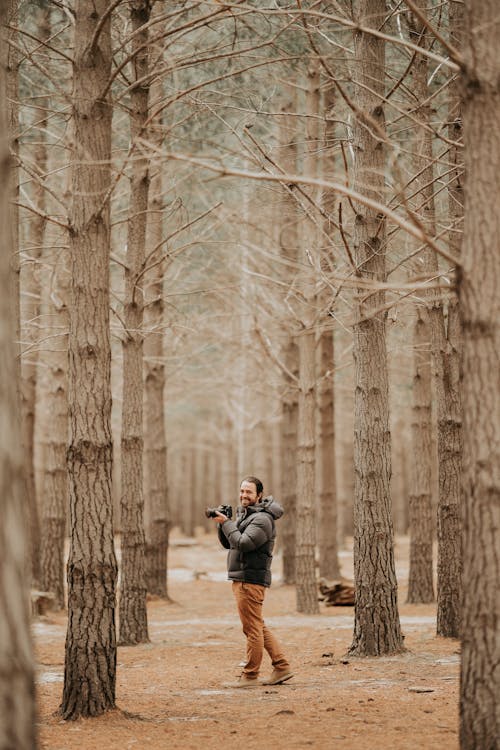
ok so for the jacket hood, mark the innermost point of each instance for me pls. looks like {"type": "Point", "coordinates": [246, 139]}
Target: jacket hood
{"type": "Point", "coordinates": [267, 505]}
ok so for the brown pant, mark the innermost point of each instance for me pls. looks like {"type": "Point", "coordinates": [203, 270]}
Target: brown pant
{"type": "Point", "coordinates": [249, 599]}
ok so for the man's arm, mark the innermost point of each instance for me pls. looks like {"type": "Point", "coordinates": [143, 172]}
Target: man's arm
{"type": "Point", "coordinates": [258, 532]}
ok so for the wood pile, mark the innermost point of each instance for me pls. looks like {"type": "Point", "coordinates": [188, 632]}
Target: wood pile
{"type": "Point", "coordinates": [336, 593]}
{"type": "Point", "coordinates": [42, 602]}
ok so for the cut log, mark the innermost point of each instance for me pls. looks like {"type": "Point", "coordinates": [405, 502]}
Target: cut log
{"type": "Point", "coordinates": [42, 602]}
{"type": "Point", "coordinates": [336, 593]}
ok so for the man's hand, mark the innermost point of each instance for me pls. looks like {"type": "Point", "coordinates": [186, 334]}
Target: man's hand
{"type": "Point", "coordinates": [220, 518]}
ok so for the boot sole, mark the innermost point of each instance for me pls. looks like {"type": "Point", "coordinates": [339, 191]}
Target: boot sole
{"type": "Point", "coordinates": [278, 682]}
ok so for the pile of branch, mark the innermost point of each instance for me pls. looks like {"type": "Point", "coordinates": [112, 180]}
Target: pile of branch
{"type": "Point", "coordinates": [336, 593]}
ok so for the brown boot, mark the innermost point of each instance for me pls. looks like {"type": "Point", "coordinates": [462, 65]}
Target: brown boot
{"type": "Point", "coordinates": [244, 681]}
{"type": "Point", "coordinates": [278, 676]}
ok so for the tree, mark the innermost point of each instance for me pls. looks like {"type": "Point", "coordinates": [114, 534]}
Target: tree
{"type": "Point", "coordinates": [288, 243]}
{"type": "Point", "coordinates": [133, 612]}
{"type": "Point", "coordinates": [420, 577]}
{"type": "Point", "coordinates": [480, 302]}
{"type": "Point", "coordinates": [447, 353]}
{"type": "Point", "coordinates": [155, 443]}
{"type": "Point", "coordinates": [306, 587]}
{"type": "Point", "coordinates": [329, 566]}
{"type": "Point", "coordinates": [90, 659]}
{"type": "Point", "coordinates": [376, 622]}
{"type": "Point", "coordinates": [17, 689]}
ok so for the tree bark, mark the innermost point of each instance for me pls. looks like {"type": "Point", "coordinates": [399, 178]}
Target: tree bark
{"type": "Point", "coordinates": [133, 612]}
{"type": "Point", "coordinates": [420, 581]}
{"type": "Point", "coordinates": [329, 566]}
{"type": "Point", "coordinates": [376, 622]}
{"type": "Point", "coordinates": [288, 242]}
{"type": "Point", "coordinates": [17, 688]}
{"type": "Point", "coordinates": [305, 552]}
{"type": "Point", "coordinates": [52, 282]}
{"type": "Point", "coordinates": [90, 660]}
{"type": "Point", "coordinates": [428, 315]}
{"type": "Point", "coordinates": [27, 375]}
{"type": "Point", "coordinates": [449, 400]}
{"type": "Point", "coordinates": [155, 442]}
{"type": "Point", "coordinates": [30, 309]}
{"type": "Point", "coordinates": [480, 303]}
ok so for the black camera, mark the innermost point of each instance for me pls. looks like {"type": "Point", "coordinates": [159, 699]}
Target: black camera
{"type": "Point", "coordinates": [226, 510]}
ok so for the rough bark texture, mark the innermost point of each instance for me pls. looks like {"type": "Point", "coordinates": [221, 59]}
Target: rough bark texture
{"type": "Point", "coordinates": [17, 690]}
{"type": "Point", "coordinates": [420, 585]}
{"type": "Point", "coordinates": [52, 413]}
{"type": "Point", "coordinates": [480, 302]}
{"type": "Point", "coordinates": [329, 566]}
{"type": "Point", "coordinates": [26, 305]}
{"type": "Point", "coordinates": [50, 271]}
{"type": "Point", "coordinates": [428, 313]}
{"type": "Point", "coordinates": [288, 242]}
{"type": "Point", "coordinates": [133, 613]}
{"type": "Point", "coordinates": [90, 662]}
{"type": "Point", "coordinates": [447, 348]}
{"type": "Point", "coordinates": [376, 623]}
{"type": "Point", "coordinates": [305, 551]}
{"type": "Point", "coordinates": [155, 443]}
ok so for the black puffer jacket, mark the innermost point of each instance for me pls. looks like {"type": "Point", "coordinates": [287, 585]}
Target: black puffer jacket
{"type": "Point", "coordinates": [250, 541]}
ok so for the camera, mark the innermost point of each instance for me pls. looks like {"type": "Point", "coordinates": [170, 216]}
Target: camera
{"type": "Point", "coordinates": [226, 510]}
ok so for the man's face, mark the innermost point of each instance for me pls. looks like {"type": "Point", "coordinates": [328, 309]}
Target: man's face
{"type": "Point", "coordinates": [248, 494]}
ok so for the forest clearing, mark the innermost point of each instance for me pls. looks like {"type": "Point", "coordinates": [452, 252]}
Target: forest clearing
{"type": "Point", "coordinates": [170, 694]}
{"type": "Point", "coordinates": [249, 246]}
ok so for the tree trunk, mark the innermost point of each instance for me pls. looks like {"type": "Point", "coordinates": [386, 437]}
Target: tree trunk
{"type": "Point", "coordinates": [288, 242]}
{"type": "Point", "coordinates": [428, 315]}
{"type": "Point", "coordinates": [17, 689]}
{"type": "Point", "coordinates": [30, 308]}
{"type": "Point", "coordinates": [52, 282]}
{"type": "Point", "coordinates": [52, 415]}
{"type": "Point", "coordinates": [90, 663]}
{"type": "Point", "coordinates": [25, 304]}
{"type": "Point", "coordinates": [155, 443]}
{"type": "Point", "coordinates": [305, 558]}
{"type": "Point", "coordinates": [133, 612]}
{"type": "Point", "coordinates": [449, 396]}
{"type": "Point", "coordinates": [329, 566]}
{"type": "Point", "coordinates": [480, 302]}
{"type": "Point", "coordinates": [376, 622]}
{"type": "Point", "coordinates": [420, 585]}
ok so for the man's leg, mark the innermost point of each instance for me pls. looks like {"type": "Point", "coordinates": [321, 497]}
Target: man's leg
{"type": "Point", "coordinates": [249, 598]}
{"type": "Point", "coordinates": [273, 648]}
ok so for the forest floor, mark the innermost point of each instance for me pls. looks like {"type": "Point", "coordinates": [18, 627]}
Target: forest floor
{"type": "Point", "coordinates": [169, 692]}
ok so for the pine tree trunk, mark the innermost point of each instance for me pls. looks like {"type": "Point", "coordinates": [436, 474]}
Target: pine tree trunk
{"type": "Point", "coordinates": [52, 412]}
{"type": "Point", "coordinates": [155, 443]}
{"type": "Point", "coordinates": [26, 305]}
{"type": "Point", "coordinates": [17, 689]}
{"type": "Point", "coordinates": [420, 583]}
{"type": "Point", "coordinates": [133, 612]}
{"type": "Point", "coordinates": [52, 281]}
{"type": "Point", "coordinates": [480, 304]}
{"type": "Point", "coordinates": [288, 242]}
{"type": "Point", "coordinates": [428, 315]}
{"type": "Point", "coordinates": [305, 553]}
{"type": "Point", "coordinates": [376, 623]}
{"type": "Point", "coordinates": [90, 662]}
{"type": "Point", "coordinates": [329, 566]}
{"type": "Point", "coordinates": [449, 400]}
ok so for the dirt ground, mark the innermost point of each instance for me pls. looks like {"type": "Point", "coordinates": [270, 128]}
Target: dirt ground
{"type": "Point", "coordinates": [170, 694]}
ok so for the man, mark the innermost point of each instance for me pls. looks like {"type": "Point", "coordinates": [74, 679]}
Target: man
{"type": "Point", "coordinates": [250, 541]}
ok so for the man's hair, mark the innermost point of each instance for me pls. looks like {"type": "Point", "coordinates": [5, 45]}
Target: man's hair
{"type": "Point", "coordinates": [258, 484]}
